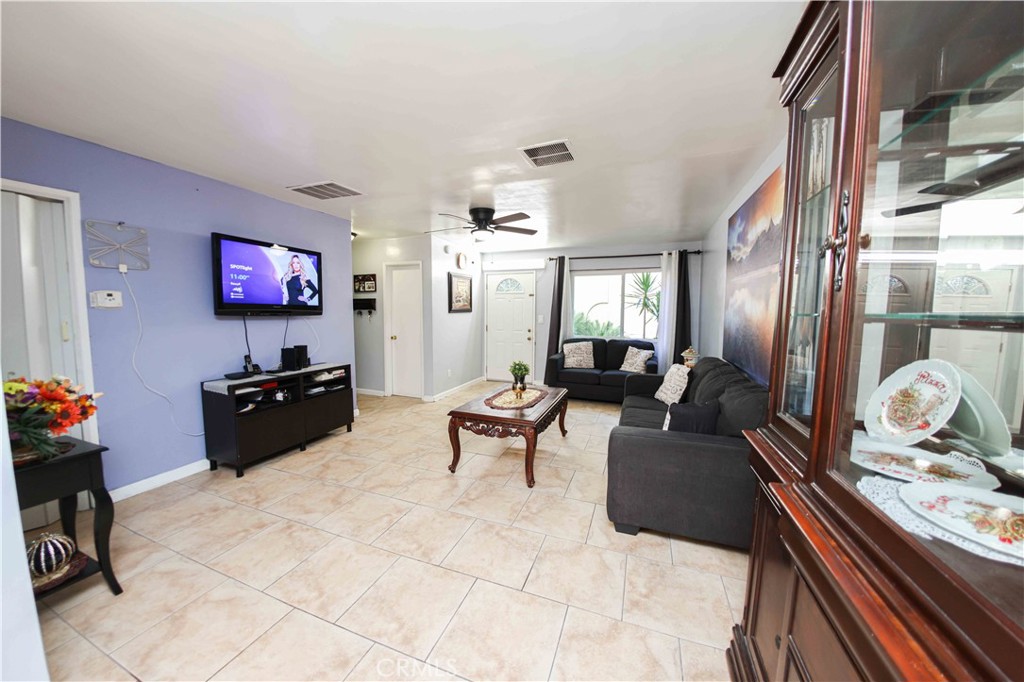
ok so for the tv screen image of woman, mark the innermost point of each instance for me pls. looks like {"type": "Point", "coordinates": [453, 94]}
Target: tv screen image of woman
{"type": "Point", "coordinates": [298, 282]}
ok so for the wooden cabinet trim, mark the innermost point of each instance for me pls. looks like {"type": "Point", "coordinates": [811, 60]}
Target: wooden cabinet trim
{"type": "Point", "coordinates": [889, 560]}
{"type": "Point", "coordinates": [818, 28]}
{"type": "Point", "coordinates": [890, 638]}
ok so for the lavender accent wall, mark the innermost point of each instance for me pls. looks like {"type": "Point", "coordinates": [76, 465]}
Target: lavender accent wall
{"type": "Point", "coordinates": [184, 343]}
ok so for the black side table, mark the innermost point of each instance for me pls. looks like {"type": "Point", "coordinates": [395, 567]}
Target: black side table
{"type": "Point", "coordinates": [62, 478]}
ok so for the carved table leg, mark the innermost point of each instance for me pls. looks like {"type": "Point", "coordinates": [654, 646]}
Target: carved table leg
{"type": "Point", "coordinates": [561, 417]}
{"type": "Point", "coordinates": [453, 436]}
{"type": "Point", "coordinates": [103, 521]}
{"type": "Point", "coordinates": [531, 448]}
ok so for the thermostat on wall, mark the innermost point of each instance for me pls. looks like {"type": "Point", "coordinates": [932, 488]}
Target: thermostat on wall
{"type": "Point", "coordinates": [105, 299]}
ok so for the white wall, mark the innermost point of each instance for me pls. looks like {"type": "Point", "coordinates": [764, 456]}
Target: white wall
{"type": "Point", "coordinates": [712, 310]}
{"type": "Point", "coordinates": [458, 338]}
{"type": "Point", "coordinates": [546, 281]}
{"type": "Point", "coordinates": [368, 258]}
{"type": "Point", "coordinates": [451, 341]}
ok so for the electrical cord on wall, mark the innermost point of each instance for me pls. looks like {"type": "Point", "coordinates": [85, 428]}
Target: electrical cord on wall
{"type": "Point", "coordinates": [315, 336]}
{"type": "Point", "coordinates": [245, 325]}
{"type": "Point", "coordinates": [135, 367]}
{"type": "Point", "coordinates": [287, 321]}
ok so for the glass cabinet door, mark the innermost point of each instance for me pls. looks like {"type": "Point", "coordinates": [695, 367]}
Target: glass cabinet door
{"type": "Point", "coordinates": [812, 223]}
{"type": "Point", "coordinates": [934, 391]}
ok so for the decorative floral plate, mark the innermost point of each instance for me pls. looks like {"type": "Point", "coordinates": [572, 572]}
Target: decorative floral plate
{"type": "Point", "coordinates": [991, 519]}
{"type": "Point", "coordinates": [913, 402]}
{"type": "Point", "coordinates": [912, 464]}
{"type": "Point", "coordinates": [978, 419]}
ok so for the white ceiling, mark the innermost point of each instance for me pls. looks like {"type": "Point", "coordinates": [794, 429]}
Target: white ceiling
{"type": "Point", "coordinates": [668, 107]}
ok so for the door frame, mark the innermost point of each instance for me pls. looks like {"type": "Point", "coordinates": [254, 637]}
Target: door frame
{"type": "Point", "coordinates": [487, 319]}
{"type": "Point", "coordinates": [387, 294]}
{"type": "Point", "coordinates": [76, 268]}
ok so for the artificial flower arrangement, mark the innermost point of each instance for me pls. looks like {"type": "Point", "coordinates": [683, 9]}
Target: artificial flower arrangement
{"type": "Point", "coordinates": [38, 410]}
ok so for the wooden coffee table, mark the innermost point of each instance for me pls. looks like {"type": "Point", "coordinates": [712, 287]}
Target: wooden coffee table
{"type": "Point", "coordinates": [482, 420]}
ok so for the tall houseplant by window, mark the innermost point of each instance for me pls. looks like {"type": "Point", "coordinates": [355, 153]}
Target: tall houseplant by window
{"type": "Point", "coordinates": [645, 295]}
{"type": "Point", "coordinates": [39, 410]}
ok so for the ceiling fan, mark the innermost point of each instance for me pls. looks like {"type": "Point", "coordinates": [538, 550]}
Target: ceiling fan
{"type": "Point", "coordinates": [483, 224]}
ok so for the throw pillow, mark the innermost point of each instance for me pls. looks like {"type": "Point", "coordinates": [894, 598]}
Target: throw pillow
{"type": "Point", "coordinates": [636, 360]}
{"type": "Point", "coordinates": [693, 418]}
{"type": "Point", "coordinates": [673, 385]}
{"type": "Point", "coordinates": [579, 355]}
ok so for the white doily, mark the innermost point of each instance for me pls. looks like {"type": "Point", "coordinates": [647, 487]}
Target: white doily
{"type": "Point", "coordinates": [884, 494]}
{"type": "Point", "coordinates": [1013, 461]}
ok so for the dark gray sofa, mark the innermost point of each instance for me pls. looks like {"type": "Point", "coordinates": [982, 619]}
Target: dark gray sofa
{"type": "Point", "coordinates": [693, 485]}
{"type": "Point", "coordinates": [606, 380]}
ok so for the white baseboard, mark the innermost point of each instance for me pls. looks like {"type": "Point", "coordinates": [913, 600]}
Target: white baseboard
{"type": "Point", "coordinates": [146, 484]}
{"type": "Point", "coordinates": [370, 391]}
{"type": "Point", "coordinates": [445, 394]}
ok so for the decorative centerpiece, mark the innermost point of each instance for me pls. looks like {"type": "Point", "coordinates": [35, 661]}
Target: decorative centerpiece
{"type": "Point", "coordinates": [690, 356]}
{"type": "Point", "coordinates": [37, 411]}
{"type": "Point", "coordinates": [52, 559]}
{"type": "Point", "coordinates": [519, 370]}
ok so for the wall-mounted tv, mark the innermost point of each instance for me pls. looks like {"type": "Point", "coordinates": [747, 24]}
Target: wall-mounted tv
{"type": "Point", "coordinates": [252, 277]}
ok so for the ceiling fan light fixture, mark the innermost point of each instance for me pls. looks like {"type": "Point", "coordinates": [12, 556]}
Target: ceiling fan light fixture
{"type": "Point", "coordinates": [482, 233]}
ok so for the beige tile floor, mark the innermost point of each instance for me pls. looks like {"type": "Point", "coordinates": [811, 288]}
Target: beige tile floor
{"type": "Point", "coordinates": [363, 558]}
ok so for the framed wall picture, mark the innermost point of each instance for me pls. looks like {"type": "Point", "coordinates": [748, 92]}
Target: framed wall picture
{"type": "Point", "coordinates": [460, 293]}
{"type": "Point", "coordinates": [365, 284]}
{"type": "Point", "coordinates": [752, 278]}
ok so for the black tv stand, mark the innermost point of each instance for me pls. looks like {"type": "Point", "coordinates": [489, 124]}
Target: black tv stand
{"type": "Point", "coordinates": [253, 418]}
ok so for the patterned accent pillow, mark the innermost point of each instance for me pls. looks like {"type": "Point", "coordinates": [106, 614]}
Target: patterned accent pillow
{"type": "Point", "coordinates": [673, 385]}
{"type": "Point", "coordinates": [579, 355]}
{"type": "Point", "coordinates": [636, 360]}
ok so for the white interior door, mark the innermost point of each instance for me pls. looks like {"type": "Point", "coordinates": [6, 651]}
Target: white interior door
{"type": "Point", "coordinates": [405, 329]}
{"type": "Point", "coordinates": [511, 319]}
{"type": "Point", "coordinates": [37, 330]}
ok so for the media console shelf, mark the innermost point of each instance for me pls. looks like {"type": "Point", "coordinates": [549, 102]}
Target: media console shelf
{"type": "Point", "coordinates": [249, 419]}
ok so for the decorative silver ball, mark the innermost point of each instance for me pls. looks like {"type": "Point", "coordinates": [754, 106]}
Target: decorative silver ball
{"type": "Point", "coordinates": [49, 553]}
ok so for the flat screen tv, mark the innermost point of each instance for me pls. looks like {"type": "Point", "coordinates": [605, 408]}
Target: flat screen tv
{"type": "Point", "coordinates": [251, 277]}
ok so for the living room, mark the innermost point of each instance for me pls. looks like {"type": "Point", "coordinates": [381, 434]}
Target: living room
{"type": "Point", "coordinates": [394, 149]}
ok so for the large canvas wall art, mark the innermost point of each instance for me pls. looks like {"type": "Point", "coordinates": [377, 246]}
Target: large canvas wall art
{"type": "Point", "coordinates": [752, 278]}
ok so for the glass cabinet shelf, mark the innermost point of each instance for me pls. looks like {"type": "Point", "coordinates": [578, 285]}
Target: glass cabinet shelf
{"type": "Point", "coordinates": [1001, 322]}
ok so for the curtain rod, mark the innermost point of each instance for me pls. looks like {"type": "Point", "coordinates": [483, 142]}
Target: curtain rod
{"type": "Point", "coordinates": [631, 255]}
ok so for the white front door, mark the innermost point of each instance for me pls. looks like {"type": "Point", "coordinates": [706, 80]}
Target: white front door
{"type": "Point", "coordinates": [981, 353]}
{"type": "Point", "coordinates": [510, 322]}
{"type": "Point", "coordinates": [405, 315]}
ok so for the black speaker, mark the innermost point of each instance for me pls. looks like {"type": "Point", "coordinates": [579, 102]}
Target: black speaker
{"type": "Point", "coordinates": [289, 361]}
{"type": "Point", "coordinates": [301, 357]}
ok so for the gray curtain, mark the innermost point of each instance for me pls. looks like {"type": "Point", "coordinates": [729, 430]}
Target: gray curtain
{"type": "Point", "coordinates": [555, 319]}
{"type": "Point", "coordinates": [683, 338]}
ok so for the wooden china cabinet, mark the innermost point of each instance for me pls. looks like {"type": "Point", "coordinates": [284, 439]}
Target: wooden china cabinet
{"type": "Point", "coordinates": [904, 242]}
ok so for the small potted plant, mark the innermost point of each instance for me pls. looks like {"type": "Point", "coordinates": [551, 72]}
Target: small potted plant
{"type": "Point", "coordinates": [519, 370]}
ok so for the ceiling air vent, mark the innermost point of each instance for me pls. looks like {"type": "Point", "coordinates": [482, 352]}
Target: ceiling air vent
{"type": "Point", "coordinates": [325, 190]}
{"type": "Point", "coordinates": [548, 153]}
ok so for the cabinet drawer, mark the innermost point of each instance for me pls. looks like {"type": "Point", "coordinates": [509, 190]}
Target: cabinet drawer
{"type": "Point", "coordinates": [814, 651]}
{"type": "Point", "coordinates": [327, 411]}
{"type": "Point", "coordinates": [268, 431]}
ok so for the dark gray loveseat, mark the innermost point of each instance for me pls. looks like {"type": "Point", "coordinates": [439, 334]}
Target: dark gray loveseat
{"type": "Point", "coordinates": [606, 380]}
{"type": "Point", "coordinates": [694, 485]}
